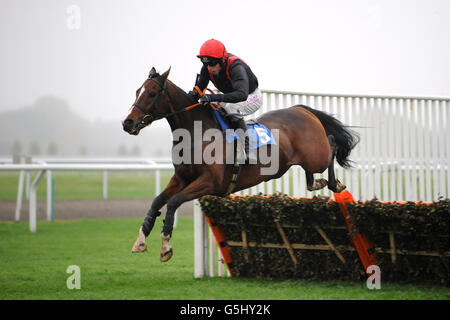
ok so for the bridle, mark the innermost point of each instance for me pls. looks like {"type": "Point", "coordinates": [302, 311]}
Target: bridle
{"type": "Point", "coordinates": [150, 117]}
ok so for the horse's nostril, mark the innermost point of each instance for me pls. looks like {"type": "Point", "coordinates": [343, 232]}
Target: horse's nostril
{"type": "Point", "coordinates": [128, 125]}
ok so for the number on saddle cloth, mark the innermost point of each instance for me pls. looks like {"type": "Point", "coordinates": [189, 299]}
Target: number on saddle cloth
{"type": "Point", "coordinates": [259, 134]}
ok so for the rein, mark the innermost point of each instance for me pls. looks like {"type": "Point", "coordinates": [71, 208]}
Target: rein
{"type": "Point", "coordinates": [150, 117]}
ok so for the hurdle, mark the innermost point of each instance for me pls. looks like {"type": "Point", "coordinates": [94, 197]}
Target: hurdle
{"type": "Point", "coordinates": [322, 238]}
{"type": "Point", "coordinates": [208, 238]}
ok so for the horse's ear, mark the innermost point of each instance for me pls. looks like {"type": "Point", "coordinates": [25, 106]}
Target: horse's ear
{"type": "Point", "coordinates": [166, 74]}
{"type": "Point", "coordinates": [152, 72]}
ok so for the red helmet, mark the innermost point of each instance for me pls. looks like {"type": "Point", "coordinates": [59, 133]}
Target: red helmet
{"type": "Point", "coordinates": [214, 49]}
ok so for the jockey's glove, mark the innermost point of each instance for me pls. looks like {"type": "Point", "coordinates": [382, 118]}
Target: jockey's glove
{"type": "Point", "coordinates": [209, 98]}
{"type": "Point", "coordinates": [194, 95]}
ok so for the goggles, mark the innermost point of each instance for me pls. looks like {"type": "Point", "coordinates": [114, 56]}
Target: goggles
{"type": "Point", "coordinates": [209, 61]}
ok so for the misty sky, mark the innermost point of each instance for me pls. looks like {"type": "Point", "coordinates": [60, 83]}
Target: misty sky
{"type": "Point", "coordinates": [96, 60]}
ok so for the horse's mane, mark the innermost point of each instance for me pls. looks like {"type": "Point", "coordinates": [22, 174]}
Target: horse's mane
{"type": "Point", "coordinates": [191, 98]}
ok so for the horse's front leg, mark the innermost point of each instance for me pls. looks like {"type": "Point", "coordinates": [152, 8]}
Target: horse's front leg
{"type": "Point", "coordinates": [196, 189]}
{"type": "Point", "coordinates": [174, 186]}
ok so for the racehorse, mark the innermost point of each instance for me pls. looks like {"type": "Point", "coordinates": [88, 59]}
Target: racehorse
{"type": "Point", "coordinates": [307, 137]}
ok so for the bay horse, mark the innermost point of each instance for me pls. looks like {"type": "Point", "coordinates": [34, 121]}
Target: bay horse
{"type": "Point", "coordinates": [307, 137]}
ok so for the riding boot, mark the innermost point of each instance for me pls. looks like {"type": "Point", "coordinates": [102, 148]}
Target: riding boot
{"type": "Point", "coordinates": [244, 156]}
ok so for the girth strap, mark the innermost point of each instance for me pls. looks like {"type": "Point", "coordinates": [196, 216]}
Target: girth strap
{"type": "Point", "coordinates": [234, 176]}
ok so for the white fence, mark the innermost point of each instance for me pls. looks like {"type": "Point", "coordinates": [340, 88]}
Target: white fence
{"type": "Point", "coordinates": [403, 154]}
{"type": "Point", "coordinates": [47, 168]}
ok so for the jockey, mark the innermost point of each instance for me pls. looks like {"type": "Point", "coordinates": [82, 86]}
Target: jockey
{"type": "Point", "coordinates": [238, 85]}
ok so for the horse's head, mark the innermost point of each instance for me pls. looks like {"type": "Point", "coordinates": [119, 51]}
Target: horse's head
{"type": "Point", "coordinates": [149, 105]}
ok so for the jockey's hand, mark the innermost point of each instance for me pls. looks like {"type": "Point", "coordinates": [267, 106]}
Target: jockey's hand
{"type": "Point", "coordinates": [207, 98]}
{"type": "Point", "coordinates": [194, 95]}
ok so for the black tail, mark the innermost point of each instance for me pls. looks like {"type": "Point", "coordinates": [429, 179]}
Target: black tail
{"type": "Point", "coordinates": [345, 138]}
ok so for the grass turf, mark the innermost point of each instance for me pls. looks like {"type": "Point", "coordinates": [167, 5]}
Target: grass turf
{"type": "Point", "coordinates": [33, 266]}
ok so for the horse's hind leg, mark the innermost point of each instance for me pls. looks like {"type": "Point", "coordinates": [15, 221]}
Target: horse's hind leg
{"type": "Point", "coordinates": [314, 184]}
{"type": "Point", "coordinates": [333, 184]}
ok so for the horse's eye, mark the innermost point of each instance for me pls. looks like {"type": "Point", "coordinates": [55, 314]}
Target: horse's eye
{"type": "Point", "coordinates": [152, 94]}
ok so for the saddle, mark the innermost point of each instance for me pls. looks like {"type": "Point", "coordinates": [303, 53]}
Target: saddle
{"type": "Point", "coordinates": [259, 134]}
{"type": "Point", "coordinates": [222, 117]}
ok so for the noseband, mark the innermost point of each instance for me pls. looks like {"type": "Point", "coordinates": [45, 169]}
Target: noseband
{"type": "Point", "coordinates": [150, 117]}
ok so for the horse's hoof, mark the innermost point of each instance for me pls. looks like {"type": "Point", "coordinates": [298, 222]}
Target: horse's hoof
{"type": "Point", "coordinates": [166, 250]}
{"type": "Point", "coordinates": [321, 183]}
{"type": "Point", "coordinates": [164, 257]}
{"type": "Point", "coordinates": [318, 184]}
{"type": "Point", "coordinates": [340, 187]}
{"type": "Point", "coordinates": [139, 245]}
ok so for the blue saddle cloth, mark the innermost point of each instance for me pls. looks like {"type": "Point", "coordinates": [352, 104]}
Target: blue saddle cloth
{"type": "Point", "coordinates": [259, 134]}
